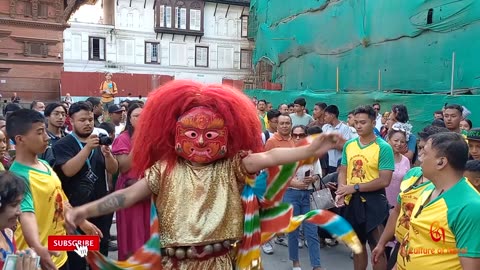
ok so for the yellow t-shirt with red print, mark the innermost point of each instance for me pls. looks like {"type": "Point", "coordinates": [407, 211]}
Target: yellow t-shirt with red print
{"type": "Point", "coordinates": [442, 230]}
{"type": "Point", "coordinates": [408, 196]}
{"type": "Point", "coordinates": [364, 162]}
{"type": "Point", "coordinates": [43, 196]}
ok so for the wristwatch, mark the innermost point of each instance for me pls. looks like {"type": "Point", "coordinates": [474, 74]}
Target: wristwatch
{"type": "Point", "coordinates": [357, 187]}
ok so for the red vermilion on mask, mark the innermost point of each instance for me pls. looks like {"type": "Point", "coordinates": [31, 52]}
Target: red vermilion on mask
{"type": "Point", "coordinates": [201, 136]}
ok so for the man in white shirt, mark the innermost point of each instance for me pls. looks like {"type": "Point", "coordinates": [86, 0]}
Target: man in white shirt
{"type": "Point", "coordinates": [335, 125]}
{"type": "Point", "coordinates": [351, 124]}
{"type": "Point", "coordinates": [378, 120]}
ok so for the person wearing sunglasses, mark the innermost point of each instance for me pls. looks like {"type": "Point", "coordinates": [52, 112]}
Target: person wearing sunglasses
{"type": "Point", "coordinates": [298, 133]}
{"type": "Point", "coordinates": [298, 194]}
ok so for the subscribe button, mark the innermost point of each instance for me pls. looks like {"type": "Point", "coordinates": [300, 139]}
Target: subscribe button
{"type": "Point", "coordinates": [70, 242]}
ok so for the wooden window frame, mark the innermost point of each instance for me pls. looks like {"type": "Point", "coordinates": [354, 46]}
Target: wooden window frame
{"type": "Point", "coordinates": [174, 4]}
{"type": "Point", "coordinates": [208, 56]}
{"type": "Point", "coordinates": [44, 6]}
{"type": "Point", "coordinates": [28, 9]}
{"type": "Point", "coordinates": [27, 51]}
{"type": "Point", "coordinates": [104, 49]}
{"type": "Point", "coordinates": [158, 53]}
{"type": "Point", "coordinates": [241, 27]}
{"type": "Point", "coordinates": [241, 58]}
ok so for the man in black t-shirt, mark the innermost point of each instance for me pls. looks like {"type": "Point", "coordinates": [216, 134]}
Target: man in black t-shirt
{"type": "Point", "coordinates": [82, 165]}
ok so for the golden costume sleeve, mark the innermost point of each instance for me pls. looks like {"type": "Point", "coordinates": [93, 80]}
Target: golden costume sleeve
{"type": "Point", "coordinates": [152, 176]}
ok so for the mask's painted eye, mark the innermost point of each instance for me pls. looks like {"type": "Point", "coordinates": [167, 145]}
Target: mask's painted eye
{"type": "Point", "coordinates": [191, 134]}
{"type": "Point", "coordinates": [211, 135]}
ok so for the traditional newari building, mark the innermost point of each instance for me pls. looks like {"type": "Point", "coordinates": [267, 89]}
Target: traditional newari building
{"type": "Point", "coordinates": [146, 43]}
{"type": "Point", "coordinates": [31, 46]}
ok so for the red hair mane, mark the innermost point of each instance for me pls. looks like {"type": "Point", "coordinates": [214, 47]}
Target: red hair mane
{"type": "Point", "coordinates": [154, 138]}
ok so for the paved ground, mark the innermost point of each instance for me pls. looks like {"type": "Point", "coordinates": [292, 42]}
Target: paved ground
{"type": "Point", "coordinates": [332, 258]}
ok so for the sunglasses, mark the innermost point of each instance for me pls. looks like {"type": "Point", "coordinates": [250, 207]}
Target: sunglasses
{"type": "Point", "coordinates": [299, 135]}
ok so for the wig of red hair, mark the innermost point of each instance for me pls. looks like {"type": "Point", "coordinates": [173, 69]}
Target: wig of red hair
{"type": "Point", "coordinates": [154, 138]}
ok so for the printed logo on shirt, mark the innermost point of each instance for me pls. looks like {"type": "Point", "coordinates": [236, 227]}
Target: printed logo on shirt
{"type": "Point", "coordinates": [358, 170]}
{"type": "Point", "coordinates": [437, 232]}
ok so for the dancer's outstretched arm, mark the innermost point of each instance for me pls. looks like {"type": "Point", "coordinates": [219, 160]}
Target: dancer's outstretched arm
{"type": "Point", "coordinates": [118, 200]}
{"type": "Point", "coordinates": [278, 156]}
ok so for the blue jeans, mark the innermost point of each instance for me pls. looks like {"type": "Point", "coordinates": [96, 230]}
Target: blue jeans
{"type": "Point", "coordinates": [300, 200]}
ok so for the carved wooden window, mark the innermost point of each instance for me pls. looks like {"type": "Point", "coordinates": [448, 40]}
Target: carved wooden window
{"type": "Point", "coordinates": [195, 19]}
{"type": "Point", "coordinates": [96, 48]}
{"type": "Point", "coordinates": [245, 59]}
{"type": "Point", "coordinates": [152, 53]}
{"type": "Point", "coordinates": [43, 10]}
{"type": "Point", "coordinates": [35, 49]}
{"type": "Point", "coordinates": [180, 16]}
{"type": "Point", "coordinates": [28, 9]}
{"type": "Point", "coordinates": [201, 56]}
{"type": "Point", "coordinates": [165, 16]}
{"type": "Point", "coordinates": [172, 16]}
{"type": "Point", "coordinates": [244, 26]}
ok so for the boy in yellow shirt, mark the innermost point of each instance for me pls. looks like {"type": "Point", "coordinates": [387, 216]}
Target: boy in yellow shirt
{"type": "Point", "coordinates": [44, 201]}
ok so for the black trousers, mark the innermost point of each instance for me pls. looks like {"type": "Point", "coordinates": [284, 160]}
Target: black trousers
{"type": "Point", "coordinates": [65, 266]}
{"type": "Point", "coordinates": [103, 223]}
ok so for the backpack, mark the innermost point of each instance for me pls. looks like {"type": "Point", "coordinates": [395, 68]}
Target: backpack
{"type": "Point", "coordinates": [267, 135]}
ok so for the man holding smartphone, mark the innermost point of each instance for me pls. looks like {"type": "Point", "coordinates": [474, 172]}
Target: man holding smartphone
{"type": "Point", "coordinates": [83, 165]}
{"type": "Point", "coordinates": [298, 195]}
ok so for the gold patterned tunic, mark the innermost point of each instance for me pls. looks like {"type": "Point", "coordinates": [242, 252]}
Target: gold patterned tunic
{"type": "Point", "coordinates": [199, 206]}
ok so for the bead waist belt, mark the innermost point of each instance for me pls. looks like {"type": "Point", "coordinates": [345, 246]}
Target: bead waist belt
{"type": "Point", "coordinates": [198, 252]}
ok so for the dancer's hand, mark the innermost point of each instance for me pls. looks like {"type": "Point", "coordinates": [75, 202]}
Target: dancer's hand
{"type": "Point", "coordinates": [324, 142]}
{"type": "Point", "coordinates": [73, 218]}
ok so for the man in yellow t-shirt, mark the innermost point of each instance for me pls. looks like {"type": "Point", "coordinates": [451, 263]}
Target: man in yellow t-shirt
{"type": "Point", "coordinates": [445, 224]}
{"type": "Point", "coordinates": [412, 185]}
{"type": "Point", "coordinates": [44, 201]}
{"type": "Point", "coordinates": [367, 167]}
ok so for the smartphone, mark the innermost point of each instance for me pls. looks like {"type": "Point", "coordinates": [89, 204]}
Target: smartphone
{"type": "Point", "coordinates": [307, 173]}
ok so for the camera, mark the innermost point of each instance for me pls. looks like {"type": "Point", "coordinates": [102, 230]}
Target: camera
{"type": "Point", "coordinates": [104, 139]}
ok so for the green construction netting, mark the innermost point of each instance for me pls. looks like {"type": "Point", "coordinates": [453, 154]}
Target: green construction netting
{"type": "Point", "coordinates": [410, 43]}
{"type": "Point", "coordinates": [420, 106]}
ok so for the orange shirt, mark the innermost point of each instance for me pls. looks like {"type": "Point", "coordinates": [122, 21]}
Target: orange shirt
{"type": "Point", "coordinates": [110, 86]}
{"type": "Point", "coordinates": [277, 141]}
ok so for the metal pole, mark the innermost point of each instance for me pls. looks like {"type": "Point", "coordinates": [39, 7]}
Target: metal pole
{"type": "Point", "coordinates": [338, 83]}
{"type": "Point", "coordinates": [453, 73]}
